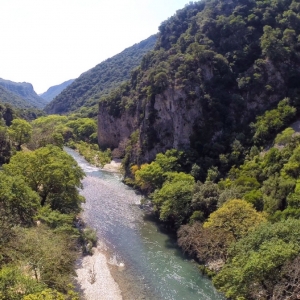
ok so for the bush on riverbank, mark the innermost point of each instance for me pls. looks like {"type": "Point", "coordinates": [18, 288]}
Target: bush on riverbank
{"type": "Point", "coordinates": [39, 200]}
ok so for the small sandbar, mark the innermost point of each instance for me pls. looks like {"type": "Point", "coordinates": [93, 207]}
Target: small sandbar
{"type": "Point", "coordinates": [95, 279]}
{"type": "Point", "coordinates": [113, 166]}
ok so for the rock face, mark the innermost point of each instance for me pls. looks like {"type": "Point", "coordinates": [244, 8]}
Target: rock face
{"type": "Point", "coordinates": [172, 119]}
{"type": "Point", "coordinates": [25, 91]}
{"type": "Point", "coordinates": [176, 116]}
{"type": "Point", "coordinates": [171, 126]}
{"type": "Point", "coordinates": [113, 131]}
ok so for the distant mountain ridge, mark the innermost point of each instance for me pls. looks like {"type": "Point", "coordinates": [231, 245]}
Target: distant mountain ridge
{"type": "Point", "coordinates": [21, 90]}
{"type": "Point", "coordinates": [13, 99]}
{"type": "Point", "coordinates": [55, 90]}
{"type": "Point", "coordinates": [90, 86]}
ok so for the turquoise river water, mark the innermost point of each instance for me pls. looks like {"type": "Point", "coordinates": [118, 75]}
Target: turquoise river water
{"type": "Point", "coordinates": [154, 266]}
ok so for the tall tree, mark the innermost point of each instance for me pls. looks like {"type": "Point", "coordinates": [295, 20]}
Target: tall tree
{"type": "Point", "coordinates": [52, 173]}
{"type": "Point", "coordinates": [20, 132]}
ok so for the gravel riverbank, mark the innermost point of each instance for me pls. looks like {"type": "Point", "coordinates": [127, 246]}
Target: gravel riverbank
{"type": "Point", "coordinates": [96, 273]}
{"type": "Point", "coordinates": [95, 279]}
{"type": "Point", "coordinates": [113, 166]}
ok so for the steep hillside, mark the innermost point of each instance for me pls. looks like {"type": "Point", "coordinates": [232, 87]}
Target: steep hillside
{"type": "Point", "coordinates": [215, 67]}
{"type": "Point", "coordinates": [53, 91]}
{"type": "Point", "coordinates": [100, 80]}
{"type": "Point", "coordinates": [13, 99]}
{"type": "Point", "coordinates": [25, 91]}
{"type": "Point", "coordinates": [221, 85]}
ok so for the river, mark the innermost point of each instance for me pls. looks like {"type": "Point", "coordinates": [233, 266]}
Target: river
{"type": "Point", "coordinates": [154, 266]}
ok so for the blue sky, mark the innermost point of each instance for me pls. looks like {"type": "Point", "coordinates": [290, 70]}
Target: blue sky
{"type": "Point", "coordinates": [46, 42]}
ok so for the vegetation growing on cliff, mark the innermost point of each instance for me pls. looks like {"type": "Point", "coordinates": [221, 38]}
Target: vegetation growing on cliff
{"type": "Point", "coordinates": [230, 61]}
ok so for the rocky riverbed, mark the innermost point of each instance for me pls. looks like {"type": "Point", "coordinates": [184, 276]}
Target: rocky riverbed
{"type": "Point", "coordinates": [95, 279]}
{"type": "Point", "coordinates": [94, 272]}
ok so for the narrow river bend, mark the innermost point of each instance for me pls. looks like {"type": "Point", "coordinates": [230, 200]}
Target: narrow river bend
{"type": "Point", "coordinates": [154, 266]}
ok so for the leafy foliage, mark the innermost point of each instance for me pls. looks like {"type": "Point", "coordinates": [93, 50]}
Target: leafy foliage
{"type": "Point", "coordinates": [92, 153]}
{"type": "Point", "coordinates": [52, 173]}
{"type": "Point", "coordinates": [257, 261]}
{"type": "Point", "coordinates": [50, 294]}
{"type": "Point", "coordinates": [39, 188]}
{"type": "Point", "coordinates": [20, 132]}
{"type": "Point", "coordinates": [14, 284]}
{"type": "Point", "coordinates": [17, 199]}
{"type": "Point", "coordinates": [47, 254]}
{"type": "Point", "coordinates": [235, 219]}
{"type": "Point", "coordinates": [272, 121]}
{"type": "Point", "coordinates": [174, 198]}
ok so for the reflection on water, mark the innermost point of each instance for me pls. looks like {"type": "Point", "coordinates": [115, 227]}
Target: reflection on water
{"type": "Point", "coordinates": [154, 265]}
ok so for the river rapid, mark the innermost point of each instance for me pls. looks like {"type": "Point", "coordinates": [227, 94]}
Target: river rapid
{"type": "Point", "coordinates": [154, 267]}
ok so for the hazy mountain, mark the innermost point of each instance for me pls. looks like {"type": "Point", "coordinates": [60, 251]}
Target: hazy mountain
{"type": "Point", "coordinates": [13, 99]}
{"type": "Point", "coordinates": [90, 86]}
{"type": "Point", "coordinates": [55, 90]}
{"type": "Point", "coordinates": [23, 90]}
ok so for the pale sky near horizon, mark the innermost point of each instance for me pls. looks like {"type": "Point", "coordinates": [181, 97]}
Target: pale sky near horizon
{"type": "Point", "coordinates": [46, 42]}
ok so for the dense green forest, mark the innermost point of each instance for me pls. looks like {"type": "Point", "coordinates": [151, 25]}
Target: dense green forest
{"type": "Point", "coordinates": [215, 67]}
{"type": "Point", "coordinates": [39, 204]}
{"type": "Point", "coordinates": [84, 93]}
{"type": "Point", "coordinates": [20, 94]}
{"type": "Point", "coordinates": [8, 97]}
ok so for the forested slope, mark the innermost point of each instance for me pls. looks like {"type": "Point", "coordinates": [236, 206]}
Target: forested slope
{"type": "Point", "coordinates": [21, 90]}
{"type": "Point", "coordinates": [15, 100]}
{"type": "Point", "coordinates": [100, 80]}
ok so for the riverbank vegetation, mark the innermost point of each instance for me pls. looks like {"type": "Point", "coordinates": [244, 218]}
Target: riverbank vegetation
{"type": "Point", "coordinates": [39, 206]}
{"type": "Point", "coordinates": [241, 225]}
{"type": "Point", "coordinates": [39, 201]}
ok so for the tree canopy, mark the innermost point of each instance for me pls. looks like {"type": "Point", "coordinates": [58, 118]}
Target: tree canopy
{"type": "Point", "coordinates": [52, 173]}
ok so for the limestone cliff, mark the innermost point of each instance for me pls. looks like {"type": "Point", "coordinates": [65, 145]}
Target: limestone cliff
{"type": "Point", "coordinates": [213, 71]}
